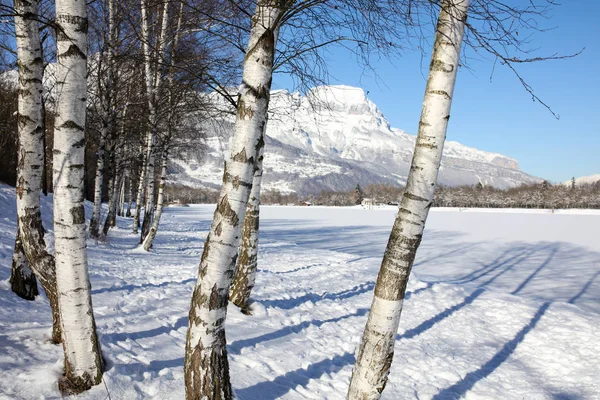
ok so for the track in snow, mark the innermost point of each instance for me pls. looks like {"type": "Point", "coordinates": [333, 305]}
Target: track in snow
{"type": "Point", "coordinates": [501, 305]}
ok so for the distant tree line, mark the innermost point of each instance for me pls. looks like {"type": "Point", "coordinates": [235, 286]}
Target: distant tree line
{"type": "Point", "coordinates": [543, 195]}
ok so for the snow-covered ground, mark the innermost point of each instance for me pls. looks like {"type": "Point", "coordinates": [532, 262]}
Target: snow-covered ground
{"type": "Point", "coordinates": [501, 305]}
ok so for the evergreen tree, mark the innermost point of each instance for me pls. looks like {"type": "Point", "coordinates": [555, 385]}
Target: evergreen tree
{"type": "Point", "coordinates": [358, 196]}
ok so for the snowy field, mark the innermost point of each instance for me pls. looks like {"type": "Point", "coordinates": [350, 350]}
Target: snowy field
{"type": "Point", "coordinates": [501, 305]}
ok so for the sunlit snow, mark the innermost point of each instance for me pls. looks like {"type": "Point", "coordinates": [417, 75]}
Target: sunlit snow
{"type": "Point", "coordinates": [501, 305]}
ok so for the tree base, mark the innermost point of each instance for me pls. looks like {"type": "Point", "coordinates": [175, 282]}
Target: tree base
{"type": "Point", "coordinates": [68, 387]}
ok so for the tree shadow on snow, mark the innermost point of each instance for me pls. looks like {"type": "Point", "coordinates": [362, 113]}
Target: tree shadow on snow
{"type": "Point", "coordinates": [270, 390]}
{"type": "Point", "coordinates": [130, 288]}
{"type": "Point", "coordinates": [122, 336]}
{"type": "Point", "coordinates": [238, 345]}
{"type": "Point", "coordinates": [288, 304]}
{"type": "Point", "coordinates": [464, 385]}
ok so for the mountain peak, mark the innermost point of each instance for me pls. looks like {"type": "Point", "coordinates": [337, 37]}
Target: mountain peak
{"type": "Point", "coordinates": [335, 137]}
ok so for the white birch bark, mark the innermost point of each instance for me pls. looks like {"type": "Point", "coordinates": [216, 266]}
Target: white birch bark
{"type": "Point", "coordinates": [206, 368]}
{"type": "Point", "coordinates": [245, 272]}
{"type": "Point", "coordinates": [116, 180]}
{"type": "Point", "coordinates": [31, 165]}
{"type": "Point", "coordinates": [376, 350]}
{"type": "Point", "coordinates": [153, 81]}
{"type": "Point", "coordinates": [83, 365]}
{"type": "Point", "coordinates": [108, 120]}
{"type": "Point", "coordinates": [98, 181]}
{"type": "Point", "coordinates": [129, 194]}
{"type": "Point", "coordinates": [112, 189]}
{"type": "Point", "coordinates": [121, 205]}
{"type": "Point", "coordinates": [140, 192]}
{"type": "Point", "coordinates": [147, 244]}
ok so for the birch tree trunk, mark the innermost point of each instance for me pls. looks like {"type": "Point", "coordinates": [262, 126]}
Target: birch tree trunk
{"type": "Point", "coordinates": [153, 81]}
{"type": "Point", "coordinates": [31, 154]}
{"type": "Point", "coordinates": [96, 213]}
{"type": "Point", "coordinates": [83, 363]}
{"type": "Point", "coordinates": [22, 279]}
{"type": "Point", "coordinates": [140, 193]}
{"type": "Point", "coordinates": [376, 350]}
{"type": "Point", "coordinates": [206, 367]}
{"type": "Point", "coordinates": [121, 205]}
{"type": "Point", "coordinates": [111, 218]}
{"type": "Point", "coordinates": [108, 117]}
{"type": "Point", "coordinates": [245, 272]}
{"type": "Point", "coordinates": [129, 194]}
{"type": "Point", "coordinates": [147, 244]}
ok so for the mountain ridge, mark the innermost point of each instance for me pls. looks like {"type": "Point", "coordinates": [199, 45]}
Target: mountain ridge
{"type": "Point", "coordinates": [333, 138]}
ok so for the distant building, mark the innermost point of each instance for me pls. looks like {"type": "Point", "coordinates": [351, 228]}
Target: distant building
{"type": "Point", "coordinates": [306, 204]}
{"type": "Point", "coordinates": [368, 203]}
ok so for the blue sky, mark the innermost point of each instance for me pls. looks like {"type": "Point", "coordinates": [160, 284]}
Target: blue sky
{"type": "Point", "coordinates": [500, 116]}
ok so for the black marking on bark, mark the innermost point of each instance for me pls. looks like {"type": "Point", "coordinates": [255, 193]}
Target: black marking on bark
{"type": "Point", "coordinates": [265, 42]}
{"type": "Point", "coordinates": [260, 143]}
{"type": "Point", "coordinates": [71, 125]}
{"type": "Point", "coordinates": [23, 119]}
{"type": "Point", "coordinates": [427, 145]}
{"type": "Point", "coordinates": [81, 23]}
{"type": "Point", "coordinates": [447, 117]}
{"type": "Point", "coordinates": [440, 66]}
{"type": "Point", "coordinates": [219, 229]}
{"type": "Point", "coordinates": [228, 178]}
{"type": "Point", "coordinates": [396, 265]}
{"type": "Point", "coordinates": [411, 196]}
{"type": "Point", "coordinates": [73, 51]}
{"type": "Point", "coordinates": [80, 143]}
{"type": "Point", "coordinates": [405, 211]}
{"type": "Point", "coordinates": [78, 214]}
{"type": "Point", "coordinates": [441, 93]}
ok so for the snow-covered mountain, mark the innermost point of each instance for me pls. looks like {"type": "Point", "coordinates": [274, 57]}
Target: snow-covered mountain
{"type": "Point", "coordinates": [332, 139]}
{"type": "Point", "coordinates": [584, 180]}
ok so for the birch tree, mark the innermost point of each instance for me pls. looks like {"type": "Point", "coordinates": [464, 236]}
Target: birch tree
{"type": "Point", "coordinates": [245, 272]}
{"type": "Point", "coordinates": [171, 116]}
{"type": "Point", "coordinates": [376, 349]}
{"type": "Point", "coordinates": [83, 363]}
{"type": "Point", "coordinates": [108, 115]}
{"type": "Point", "coordinates": [153, 83]}
{"type": "Point", "coordinates": [31, 155]}
{"type": "Point", "coordinates": [206, 368]}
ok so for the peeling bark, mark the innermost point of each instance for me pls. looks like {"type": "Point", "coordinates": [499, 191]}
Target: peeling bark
{"type": "Point", "coordinates": [376, 349]}
{"type": "Point", "coordinates": [83, 362]}
{"type": "Point", "coordinates": [206, 369]}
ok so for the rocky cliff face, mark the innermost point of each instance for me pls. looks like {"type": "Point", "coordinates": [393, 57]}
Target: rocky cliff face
{"type": "Point", "coordinates": [332, 139]}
